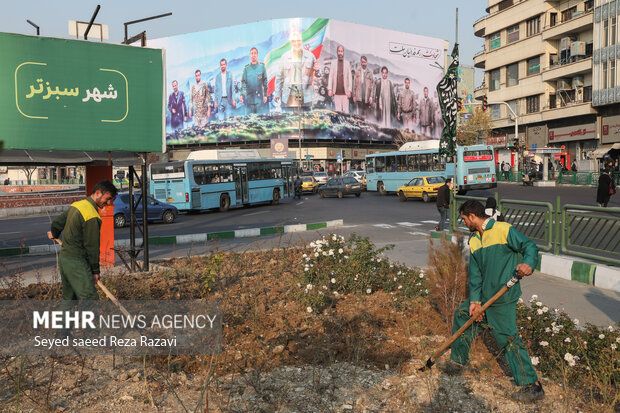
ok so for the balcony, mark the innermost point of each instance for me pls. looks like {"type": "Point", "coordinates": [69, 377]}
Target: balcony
{"type": "Point", "coordinates": [568, 111]}
{"type": "Point", "coordinates": [579, 23]}
{"type": "Point", "coordinates": [579, 67]}
{"type": "Point", "coordinates": [479, 26]}
{"type": "Point", "coordinates": [480, 91]}
{"type": "Point", "coordinates": [479, 59]}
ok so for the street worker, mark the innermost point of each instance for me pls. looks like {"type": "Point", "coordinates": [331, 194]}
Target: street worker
{"type": "Point", "coordinates": [80, 226]}
{"type": "Point", "coordinates": [494, 260]}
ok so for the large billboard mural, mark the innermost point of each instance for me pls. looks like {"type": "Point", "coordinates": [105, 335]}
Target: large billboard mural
{"type": "Point", "coordinates": [322, 78]}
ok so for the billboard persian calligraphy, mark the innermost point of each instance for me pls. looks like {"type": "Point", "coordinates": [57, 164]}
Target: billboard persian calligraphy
{"type": "Point", "coordinates": [324, 78]}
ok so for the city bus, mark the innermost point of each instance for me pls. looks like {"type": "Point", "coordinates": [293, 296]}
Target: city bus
{"type": "Point", "coordinates": [387, 171]}
{"type": "Point", "coordinates": [221, 179]}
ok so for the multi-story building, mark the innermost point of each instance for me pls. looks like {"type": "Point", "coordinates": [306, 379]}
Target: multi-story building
{"type": "Point", "coordinates": [537, 60]}
{"type": "Point", "coordinates": [605, 84]}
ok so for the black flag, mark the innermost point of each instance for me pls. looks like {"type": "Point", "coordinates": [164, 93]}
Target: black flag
{"type": "Point", "coordinates": [446, 89]}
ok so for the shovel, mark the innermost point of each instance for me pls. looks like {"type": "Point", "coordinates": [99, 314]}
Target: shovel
{"type": "Point", "coordinates": [432, 359]}
{"type": "Point", "coordinates": [105, 290]}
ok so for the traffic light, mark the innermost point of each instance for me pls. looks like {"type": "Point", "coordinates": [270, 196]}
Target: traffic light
{"type": "Point", "coordinates": [515, 143]}
{"type": "Point", "coordinates": [484, 102]}
{"type": "Point", "coordinates": [459, 105]}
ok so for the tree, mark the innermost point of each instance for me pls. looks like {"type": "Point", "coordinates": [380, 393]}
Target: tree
{"type": "Point", "coordinates": [29, 170]}
{"type": "Point", "coordinates": [477, 127]}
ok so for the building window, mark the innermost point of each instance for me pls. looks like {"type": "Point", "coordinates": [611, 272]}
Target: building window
{"type": "Point", "coordinates": [514, 105]}
{"type": "Point", "coordinates": [512, 74]}
{"type": "Point", "coordinates": [513, 34]}
{"type": "Point", "coordinates": [495, 111]}
{"type": "Point", "coordinates": [533, 66]}
{"type": "Point", "coordinates": [494, 80]}
{"type": "Point", "coordinates": [552, 102]}
{"type": "Point", "coordinates": [588, 5]}
{"type": "Point", "coordinates": [605, 33]}
{"type": "Point", "coordinates": [532, 104]}
{"type": "Point", "coordinates": [604, 75]}
{"type": "Point", "coordinates": [495, 41]}
{"type": "Point", "coordinates": [568, 14]}
{"type": "Point", "coordinates": [612, 33]}
{"type": "Point", "coordinates": [533, 26]}
{"type": "Point", "coordinates": [612, 74]}
{"type": "Point", "coordinates": [553, 19]}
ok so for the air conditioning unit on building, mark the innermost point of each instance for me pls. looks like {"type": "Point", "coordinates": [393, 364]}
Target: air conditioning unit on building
{"type": "Point", "coordinates": [578, 49]}
{"type": "Point", "coordinates": [577, 82]}
{"type": "Point", "coordinates": [565, 43]}
{"type": "Point", "coordinates": [563, 84]}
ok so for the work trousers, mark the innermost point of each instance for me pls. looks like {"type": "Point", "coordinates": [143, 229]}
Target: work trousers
{"type": "Point", "coordinates": [341, 103]}
{"type": "Point", "coordinates": [502, 320]}
{"type": "Point", "coordinates": [77, 279]}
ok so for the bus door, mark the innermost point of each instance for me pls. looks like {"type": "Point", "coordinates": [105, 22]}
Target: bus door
{"type": "Point", "coordinates": [241, 183]}
{"type": "Point", "coordinates": [287, 177]}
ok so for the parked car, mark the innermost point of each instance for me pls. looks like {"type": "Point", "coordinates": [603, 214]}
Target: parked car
{"type": "Point", "coordinates": [157, 210]}
{"type": "Point", "coordinates": [341, 187]}
{"type": "Point", "coordinates": [309, 184]}
{"type": "Point", "coordinates": [321, 177]}
{"type": "Point", "coordinates": [425, 187]}
{"type": "Point", "coordinates": [358, 175]}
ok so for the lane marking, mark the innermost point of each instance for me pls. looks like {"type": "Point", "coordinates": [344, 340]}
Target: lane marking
{"type": "Point", "coordinates": [408, 224]}
{"type": "Point", "coordinates": [383, 225]}
{"type": "Point", "coordinates": [431, 222]}
{"type": "Point", "coordinates": [255, 213]}
{"type": "Point", "coordinates": [418, 233]}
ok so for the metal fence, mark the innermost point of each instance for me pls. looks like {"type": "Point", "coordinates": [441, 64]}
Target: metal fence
{"type": "Point", "coordinates": [582, 231]}
{"type": "Point", "coordinates": [561, 177]}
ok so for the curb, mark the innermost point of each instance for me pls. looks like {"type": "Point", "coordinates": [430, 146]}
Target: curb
{"type": "Point", "coordinates": [32, 211]}
{"type": "Point", "coordinates": [568, 268]}
{"type": "Point", "coordinates": [185, 239]}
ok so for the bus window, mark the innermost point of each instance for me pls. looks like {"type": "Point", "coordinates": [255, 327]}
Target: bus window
{"type": "Point", "coordinates": [481, 155]}
{"type": "Point", "coordinates": [225, 173]}
{"type": "Point", "coordinates": [412, 163]}
{"type": "Point", "coordinates": [199, 174]}
{"type": "Point", "coordinates": [168, 170]}
{"type": "Point", "coordinates": [253, 172]}
{"type": "Point", "coordinates": [212, 174]}
{"type": "Point", "coordinates": [379, 164]}
{"type": "Point", "coordinates": [401, 163]}
{"type": "Point", "coordinates": [370, 165]}
{"type": "Point", "coordinates": [423, 162]}
{"type": "Point", "coordinates": [390, 164]}
{"type": "Point", "coordinates": [438, 163]}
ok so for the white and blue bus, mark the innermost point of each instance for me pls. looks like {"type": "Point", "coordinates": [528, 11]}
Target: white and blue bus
{"type": "Point", "coordinates": [387, 171]}
{"type": "Point", "coordinates": [220, 179]}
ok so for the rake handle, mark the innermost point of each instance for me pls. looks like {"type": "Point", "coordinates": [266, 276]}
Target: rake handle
{"type": "Point", "coordinates": [431, 360]}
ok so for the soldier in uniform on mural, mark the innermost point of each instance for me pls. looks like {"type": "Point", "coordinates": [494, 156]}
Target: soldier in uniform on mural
{"type": "Point", "coordinates": [427, 115]}
{"type": "Point", "coordinates": [384, 95]}
{"type": "Point", "coordinates": [407, 106]}
{"type": "Point", "coordinates": [339, 83]}
{"type": "Point", "coordinates": [254, 85]}
{"type": "Point", "coordinates": [438, 123]}
{"type": "Point", "coordinates": [363, 89]}
{"type": "Point", "coordinates": [177, 107]}
{"type": "Point", "coordinates": [293, 87]}
{"type": "Point", "coordinates": [200, 101]}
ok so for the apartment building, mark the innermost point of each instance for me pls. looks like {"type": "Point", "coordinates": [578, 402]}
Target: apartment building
{"type": "Point", "coordinates": [605, 84]}
{"type": "Point", "coordinates": [537, 60]}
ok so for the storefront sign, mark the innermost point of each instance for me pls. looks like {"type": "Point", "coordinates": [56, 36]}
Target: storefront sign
{"type": "Point", "coordinates": [537, 135]}
{"type": "Point", "coordinates": [572, 133]}
{"type": "Point", "coordinates": [279, 148]}
{"type": "Point", "coordinates": [498, 140]}
{"type": "Point", "coordinates": [611, 129]}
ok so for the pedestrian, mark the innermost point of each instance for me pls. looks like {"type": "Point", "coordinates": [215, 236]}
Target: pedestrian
{"type": "Point", "coordinates": [495, 248]}
{"type": "Point", "coordinates": [606, 188]}
{"type": "Point", "coordinates": [491, 210]}
{"type": "Point", "coordinates": [506, 170]}
{"type": "Point", "coordinates": [80, 227]}
{"type": "Point", "coordinates": [573, 166]}
{"type": "Point", "coordinates": [443, 203]}
{"type": "Point", "coordinates": [297, 184]}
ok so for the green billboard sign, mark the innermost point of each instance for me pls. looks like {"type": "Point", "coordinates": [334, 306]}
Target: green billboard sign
{"type": "Point", "coordinates": [77, 95]}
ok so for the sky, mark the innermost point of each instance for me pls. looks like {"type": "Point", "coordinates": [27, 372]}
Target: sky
{"type": "Point", "coordinates": [412, 16]}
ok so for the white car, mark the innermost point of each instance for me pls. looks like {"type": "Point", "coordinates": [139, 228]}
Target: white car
{"type": "Point", "coordinates": [321, 177]}
{"type": "Point", "coordinates": [358, 175]}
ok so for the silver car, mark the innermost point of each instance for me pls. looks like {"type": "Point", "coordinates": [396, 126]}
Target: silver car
{"type": "Point", "coordinates": [358, 175]}
{"type": "Point", "coordinates": [321, 177]}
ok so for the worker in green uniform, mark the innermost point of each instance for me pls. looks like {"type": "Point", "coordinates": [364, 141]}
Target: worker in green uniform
{"type": "Point", "coordinates": [254, 85]}
{"type": "Point", "coordinates": [494, 259]}
{"type": "Point", "coordinates": [80, 226]}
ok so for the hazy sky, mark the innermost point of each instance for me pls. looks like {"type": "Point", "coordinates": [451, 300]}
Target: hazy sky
{"type": "Point", "coordinates": [435, 18]}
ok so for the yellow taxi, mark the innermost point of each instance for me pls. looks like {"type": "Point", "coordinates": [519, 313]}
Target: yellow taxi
{"type": "Point", "coordinates": [424, 187]}
{"type": "Point", "coordinates": [309, 184]}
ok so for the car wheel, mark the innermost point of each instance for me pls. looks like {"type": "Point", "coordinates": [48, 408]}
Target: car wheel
{"type": "Point", "coordinates": [358, 194]}
{"type": "Point", "coordinates": [381, 188]}
{"type": "Point", "coordinates": [340, 194]}
{"type": "Point", "coordinates": [402, 196]}
{"type": "Point", "coordinates": [119, 220]}
{"type": "Point", "coordinates": [224, 202]}
{"type": "Point", "coordinates": [275, 200]}
{"type": "Point", "coordinates": [425, 197]}
{"type": "Point", "coordinates": [168, 217]}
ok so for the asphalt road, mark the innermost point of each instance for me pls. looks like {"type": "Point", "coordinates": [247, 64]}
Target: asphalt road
{"type": "Point", "coordinates": [370, 208]}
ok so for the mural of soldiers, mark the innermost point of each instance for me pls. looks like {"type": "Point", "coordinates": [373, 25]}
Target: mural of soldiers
{"type": "Point", "coordinates": [426, 115]}
{"type": "Point", "coordinates": [224, 98]}
{"type": "Point", "coordinates": [363, 88]}
{"type": "Point", "coordinates": [200, 101]}
{"type": "Point", "coordinates": [384, 96]}
{"type": "Point", "coordinates": [293, 86]}
{"type": "Point", "coordinates": [254, 85]}
{"type": "Point", "coordinates": [177, 107]}
{"type": "Point", "coordinates": [339, 83]}
{"type": "Point", "coordinates": [407, 106]}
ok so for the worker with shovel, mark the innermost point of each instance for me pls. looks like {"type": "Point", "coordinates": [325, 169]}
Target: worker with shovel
{"type": "Point", "coordinates": [494, 260]}
{"type": "Point", "coordinates": [79, 255]}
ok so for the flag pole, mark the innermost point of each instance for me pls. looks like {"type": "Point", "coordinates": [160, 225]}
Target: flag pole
{"type": "Point", "coordinates": [455, 186]}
